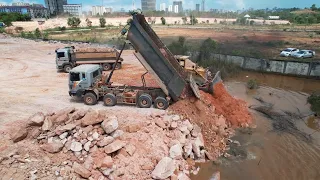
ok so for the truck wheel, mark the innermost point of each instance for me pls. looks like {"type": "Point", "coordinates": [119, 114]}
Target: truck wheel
{"type": "Point", "coordinates": [106, 66]}
{"type": "Point", "coordinates": [67, 68]}
{"type": "Point", "coordinates": [144, 101]}
{"type": "Point", "coordinates": [110, 99]}
{"type": "Point", "coordinates": [90, 99]}
{"type": "Point", "coordinates": [118, 66]}
{"type": "Point", "coordinates": [161, 103]}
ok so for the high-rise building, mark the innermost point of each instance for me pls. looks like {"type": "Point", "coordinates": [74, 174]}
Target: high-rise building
{"type": "Point", "coordinates": [109, 10]}
{"type": "Point", "coordinates": [55, 6]}
{"type": "Point", "coordinates": [163, 7]}
{"type": "Point", "coordinates": [176, 9]}
{"type": "Point", "coordinates": [73, 9]}
{"type": "Point", "coordinates": [170, 8]}
{"type": "Point", "coordinates": [197, 7]}
{"type": "Point", "coordinates": [179, 4]}
{"type": "Point", "coordinates": [148, 5]}
{"type": "Point", "coordinates": [98, 10]}
{"type": "Point", "coordinates": [203, 5]}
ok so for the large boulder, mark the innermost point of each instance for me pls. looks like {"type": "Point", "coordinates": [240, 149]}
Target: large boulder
{"type": "Point", "coordinates": [36, 119]}
{"type": "Point", "coordinates": [175, 151]}
{"type": "Point", "coordinates": [114, 146]}
{"type": "Point", "coordinates": [20, 134]}
{"type": "Point", "coordinates": [53, 147]}
{"type": "Point", "coordinates": [91, 118]}
{"type": "Point", "coordinates": [47, 124]}
{"type": "Point", "coordinates": [164, 168]}
{"type": "Point", "coordinates": [76, 146]}
{"type": "Point", "coordinates": [82, 171]}
{"type": "Point", "coordinates": [105, 141]}
{"type": "Point", "coordinates": [110, 124]}
{"type": "Point", "coordinates": [61, 129]}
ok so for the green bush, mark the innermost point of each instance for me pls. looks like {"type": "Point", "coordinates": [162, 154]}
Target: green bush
{"type": "Point", "coordinates": [23, 34]}
{"type": "Point", "coordinates": [2, 30]}
{"type": "Point", "coordinates": [37, 33]}
{"type": "Point", "coordinates": [8, 18]}
{"type": "Point", "coordinates": [252, 84]}
{"type": "Point", "coordinates": [163, 21]}
{"type": "Point", "coordinates": [30, 35]}
{"type": "Point", "coordinates": [314, 100]}
{"type": "Point", "coordinates": [45, 36]}
{"type": "Point", "coordinates": [206, 49]}
{"type": "Point", "coordinates": [179, 47]}
{"type": "Point", "coordinates": [102, 22]}
{"type": "Point", "coordinates": [193, 20]}
{"type": "Point", "coordinates": [74, 21]}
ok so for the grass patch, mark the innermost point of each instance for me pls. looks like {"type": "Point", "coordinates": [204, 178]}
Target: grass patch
{"type": "Point", "coordinates": [314, 100]}
{"type": "Point", "coordinates": [252, 84]}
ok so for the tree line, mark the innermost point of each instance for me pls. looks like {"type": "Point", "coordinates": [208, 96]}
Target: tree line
{"type": "Point", "coordinates": [8, 18]}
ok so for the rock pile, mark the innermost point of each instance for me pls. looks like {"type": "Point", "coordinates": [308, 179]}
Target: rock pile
{"type": "Point", "coordinates": [99, 145]}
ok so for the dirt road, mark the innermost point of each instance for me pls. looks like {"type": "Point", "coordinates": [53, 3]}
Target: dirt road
{"type": "Point", "coordinates": [30, 82]}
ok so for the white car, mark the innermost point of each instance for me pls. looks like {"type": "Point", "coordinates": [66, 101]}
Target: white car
{"type": "Point", "coordinates": [288, 52]}
{"type": "Point", "coordinates": [304, 54]}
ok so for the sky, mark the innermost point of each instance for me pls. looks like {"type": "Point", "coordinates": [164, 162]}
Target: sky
{"type": "Point", "coordinates": [190, 4]}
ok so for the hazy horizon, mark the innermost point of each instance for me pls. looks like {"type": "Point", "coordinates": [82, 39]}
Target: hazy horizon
{"type": "Point", "coordinates": [189, 4]}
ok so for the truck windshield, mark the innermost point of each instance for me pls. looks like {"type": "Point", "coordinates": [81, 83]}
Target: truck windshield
{"type": "Point", "coordinates": [60, 54]}
{"type": "Point", "coordinates": [74, 77]}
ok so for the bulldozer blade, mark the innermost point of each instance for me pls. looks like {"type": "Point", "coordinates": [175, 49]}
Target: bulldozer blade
{"type": "Point", "coordinates": [209, 88]}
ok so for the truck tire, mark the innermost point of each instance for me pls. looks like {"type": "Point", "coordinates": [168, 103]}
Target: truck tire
{"type": "Point", "coordinates": [67, 68]}
{"type": "Point", "coordinates": [106, 66]}
{"type": "Point", "coordinates": [109, 100]}
{"type": "Point", "coordinates": [118, 66]}
{"type": "Point", "coordinates": [161, 103]}
{"type": "Point", "coordinates": [90, 99]}
{"type": "Point", "coordinates": [144, 101]}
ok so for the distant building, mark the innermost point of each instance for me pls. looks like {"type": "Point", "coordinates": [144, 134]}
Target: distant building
{"type": "Point", "coordinates": [55, 7]}
{"type": "Point", "coordinates": [109, 10]}
{"type": "Point", "coordinates": [176, 9]}
{"type": "Point", "coordinates": [274, 17]}
{"type": "Point", "coordinates": [20, 4]}
{"type": "Point", "coordinates": [166, 9]}
{"type": "Point", "coordinates": [170, 8]}
{"type": "Point", "coordinates": [179, 4]}
{"type": "Point", "coordinates": [73, 9]}
{"type": "Point", "coordinates": [148, 5]}
{"type": "Point", "coordinates": [98, 10]}
{"type": "Point", "coordinates": [2, 4]}
{"type": "Point", "coordinates": [34, 11]}
{"type": "Point", "coordinates": [197, 7]}
{"type": "Point", "coordinates": [162, 6]}
{"type": "Point", "coordinates": [122, 10]}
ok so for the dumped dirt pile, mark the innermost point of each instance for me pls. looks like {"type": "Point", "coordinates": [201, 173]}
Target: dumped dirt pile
{"type": "Point", "coordinates": [94, 144]}
{"type": "Point", "coordinates": [234, 110]}
{"type": "Point", "coordinates": [216, 115]}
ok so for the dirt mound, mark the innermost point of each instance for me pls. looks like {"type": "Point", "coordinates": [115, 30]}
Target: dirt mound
{"type": "Point", "coordinates": [216, 115]}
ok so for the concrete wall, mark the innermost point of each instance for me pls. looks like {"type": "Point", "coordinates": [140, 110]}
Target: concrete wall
{"type": "Point", "coordinates": [299, 68]}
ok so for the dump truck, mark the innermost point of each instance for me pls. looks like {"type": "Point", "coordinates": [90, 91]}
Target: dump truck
{"type": "Point", "coordinates": [174, 82]}
{"type": "Point", "coordinates": [69, 57]}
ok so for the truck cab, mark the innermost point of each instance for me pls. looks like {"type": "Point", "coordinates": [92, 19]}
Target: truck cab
{"type": "Point", "coordinates": [64, 58]}
{"type": "Point", "coordinates": [82, 78]}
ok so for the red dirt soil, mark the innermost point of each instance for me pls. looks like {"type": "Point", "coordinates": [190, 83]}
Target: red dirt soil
{"type": "Point", "coordinates": [234, 110]}
{"type": "Point", "coordinates": [215, 114]}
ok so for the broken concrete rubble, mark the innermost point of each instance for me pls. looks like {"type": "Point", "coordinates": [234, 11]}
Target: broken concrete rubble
{"type": "Point", "coordinates": [105, 150]}
{"type": "Point", "coordinates": [109, 125]}
{"type": "Point", "coordinates": [164, 168]}
{"type": "Point", "coordinates": [37, 119]}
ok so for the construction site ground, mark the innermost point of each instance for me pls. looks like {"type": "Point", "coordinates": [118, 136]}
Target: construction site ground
{"type": "Point", "coordinates": [30, 82]}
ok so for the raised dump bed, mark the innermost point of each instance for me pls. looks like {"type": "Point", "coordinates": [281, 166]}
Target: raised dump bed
{"type": "Point", "coordinates": [157, 58]}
